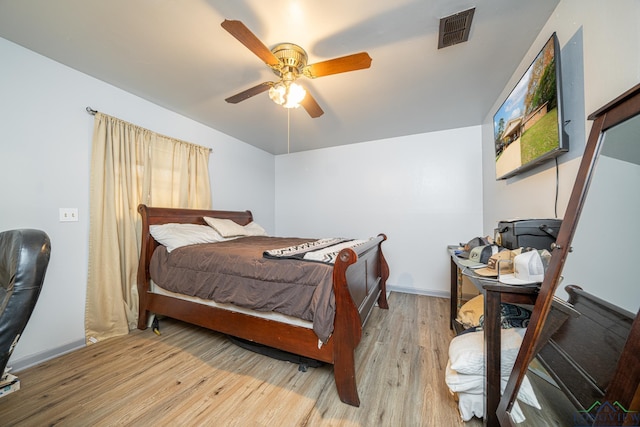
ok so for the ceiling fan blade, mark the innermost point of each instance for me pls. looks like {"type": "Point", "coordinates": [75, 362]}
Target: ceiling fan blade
{"type": "Point", "coordinates": [313, 108]}
{"type": "Point", "coordinates": [262, 87]}
{"type": "Point", "coordinates": [244, 35]}
{"type": "Point", "coordinates": [357, 61]}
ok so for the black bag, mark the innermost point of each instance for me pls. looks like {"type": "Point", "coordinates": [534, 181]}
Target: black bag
{"type": "Point", "coordinates": [302, 362]}
{"type": "Point", "coordinates": [527, 233]}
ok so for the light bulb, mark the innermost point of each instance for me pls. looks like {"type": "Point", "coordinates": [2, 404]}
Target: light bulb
{"type": "Point", "coordinates": [294, 96]}
{"type": "Point", "coordinates": [289, 96]}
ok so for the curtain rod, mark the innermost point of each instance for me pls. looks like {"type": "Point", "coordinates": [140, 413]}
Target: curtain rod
{"type": "Point", "coordinates": [93, 113]}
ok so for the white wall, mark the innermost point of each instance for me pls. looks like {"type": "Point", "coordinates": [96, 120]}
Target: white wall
{"type": "Point", "coordinates": [600, 59]}
{"type": "Point", "coordinates": [45, 151]}
{"type": "Point", "coordinates": [423, 191]}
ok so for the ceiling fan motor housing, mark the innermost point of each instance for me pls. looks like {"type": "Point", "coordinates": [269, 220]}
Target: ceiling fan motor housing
{"type": "Point", "coordinates": [293, 57]}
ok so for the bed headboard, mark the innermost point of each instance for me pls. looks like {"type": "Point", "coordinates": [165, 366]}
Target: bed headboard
{"type": "Point", "coordinates": [154, 216]}
{"type": "Point", "coordinates": [151, 216]}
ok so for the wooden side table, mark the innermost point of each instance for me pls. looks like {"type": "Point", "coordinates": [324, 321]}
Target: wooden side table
{"type": "Point", "coordinates": [495, 293]}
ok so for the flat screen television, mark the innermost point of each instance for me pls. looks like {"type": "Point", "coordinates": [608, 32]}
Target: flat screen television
{"type": "Point", "coordinates": [528, 128]}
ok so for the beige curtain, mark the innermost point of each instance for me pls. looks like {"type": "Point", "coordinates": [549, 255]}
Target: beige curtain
{"type": "Point", "coordinates": [131, 165]}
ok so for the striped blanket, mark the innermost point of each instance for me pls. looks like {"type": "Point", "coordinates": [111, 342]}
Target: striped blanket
{"type": "Point", "coordinates": [322, 250]}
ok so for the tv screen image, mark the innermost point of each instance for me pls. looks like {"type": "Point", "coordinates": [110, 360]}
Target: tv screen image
{"type": "Point", "coordinates": [528, 127]}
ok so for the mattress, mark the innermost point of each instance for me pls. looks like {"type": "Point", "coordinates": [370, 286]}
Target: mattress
{"type": "Point", "coordinates": [236, 272]}
{"type": "Point", "coordinates": [269, 315]}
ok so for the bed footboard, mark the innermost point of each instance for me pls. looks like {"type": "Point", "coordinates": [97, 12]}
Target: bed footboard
{"type": "Point", "coordinates": [359, 280]}
{"type": "Point", "coordinates": [569, 356]}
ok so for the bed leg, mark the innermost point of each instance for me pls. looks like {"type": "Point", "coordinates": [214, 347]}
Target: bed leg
{"type": "Point", "coordinates": [143, 318]}
{"type": "Point", "coordinates": [382, 300]}
{"type": "Point", "coordinates": [344, 373]}
{"type": "Point", "coordinates": [384, 275]}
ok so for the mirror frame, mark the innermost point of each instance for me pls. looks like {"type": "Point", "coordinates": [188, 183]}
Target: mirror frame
{"type": "Point", "coordinates": [624, 383]}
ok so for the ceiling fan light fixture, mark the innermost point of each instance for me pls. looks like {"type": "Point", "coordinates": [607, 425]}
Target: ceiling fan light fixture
{"type": "Point", "coordinates": [287, 94]}
{"type": "Point", "coordinates": [288, 61]}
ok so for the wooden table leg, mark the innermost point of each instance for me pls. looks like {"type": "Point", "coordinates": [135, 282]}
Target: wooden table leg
{"type": "Point", "coordinates": [454, 294]}
{"type": "Point", "coordinates": [492, 345]}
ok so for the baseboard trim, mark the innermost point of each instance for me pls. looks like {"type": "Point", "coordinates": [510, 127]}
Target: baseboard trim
{"type": "Point", "coordinates": [35, 359]}
{"type": "Point", "coordinates": [426, 292]}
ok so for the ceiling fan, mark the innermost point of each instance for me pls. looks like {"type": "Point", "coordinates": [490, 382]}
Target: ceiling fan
{"type": "Point", "coordinates": [289, 61]}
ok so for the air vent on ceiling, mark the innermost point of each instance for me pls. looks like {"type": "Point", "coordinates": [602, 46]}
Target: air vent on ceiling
{"type": "Point", "coordinates": [455, 29]}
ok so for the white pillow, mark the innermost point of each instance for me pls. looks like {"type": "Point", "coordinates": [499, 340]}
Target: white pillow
{"type": "Point", "coordinates": [173, 235]}
{"type": "Point", "coordinates": [466, 351]}
{"type": "Point", "coordinates": [226, 227]}
{"type": "Point", "coordinates": [471, 405]}
{"type": "Point", "coordinates": [254, 229]}
{"type": "Point", "coordinates": [462, 383]}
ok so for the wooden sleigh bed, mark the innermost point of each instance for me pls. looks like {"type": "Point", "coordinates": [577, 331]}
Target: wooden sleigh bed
{"type": "Point", "coordinates": [359, 277]}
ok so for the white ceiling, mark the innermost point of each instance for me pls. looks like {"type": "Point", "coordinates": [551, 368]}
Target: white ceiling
{"type": "Point", "coordinates": [175, 53]}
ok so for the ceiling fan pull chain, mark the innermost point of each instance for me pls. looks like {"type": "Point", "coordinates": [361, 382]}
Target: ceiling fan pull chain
{"type": "Point", "coordinates": [288, 128]}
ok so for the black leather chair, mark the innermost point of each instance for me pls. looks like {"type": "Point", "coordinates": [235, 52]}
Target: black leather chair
{"type": "Point", "coordinates": [24, 257]}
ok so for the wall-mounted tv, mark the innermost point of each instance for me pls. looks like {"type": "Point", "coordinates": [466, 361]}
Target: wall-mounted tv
{"type": "Point", "coordinates": [528, 128]}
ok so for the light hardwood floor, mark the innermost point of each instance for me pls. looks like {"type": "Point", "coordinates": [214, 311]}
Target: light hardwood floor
{"type": "Point", "coordinates": [190, 376]}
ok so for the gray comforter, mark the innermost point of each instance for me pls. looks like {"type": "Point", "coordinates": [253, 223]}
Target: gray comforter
{"type": "Point", "coordinates": [236, 272]}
